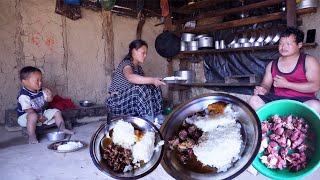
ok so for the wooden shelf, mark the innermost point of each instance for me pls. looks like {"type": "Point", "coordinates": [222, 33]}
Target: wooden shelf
{"type": "Point", "coordinates": [246, 21]}
{"type": "Point", "coordinates": [240, 9]}
{"type": "Point", "coordinates": [212, 51]}
{"type": "Point", "coordinates": [189, 8]}
{"type": "Point", "coordinates": [221, 84]}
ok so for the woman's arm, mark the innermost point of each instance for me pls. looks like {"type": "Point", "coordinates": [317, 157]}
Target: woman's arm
{"type": "Point", "coordinates": [137, 79]}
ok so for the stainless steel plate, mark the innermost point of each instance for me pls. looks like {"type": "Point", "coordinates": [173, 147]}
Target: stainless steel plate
{"type": "Point", "coordinates": [174, 81]}
{"type": "Point", "coordinates": [138, 123]}
{"type": "Point", "coordinates": [251, 133]}
{"type": "Point", "coordinates": [53, 146]}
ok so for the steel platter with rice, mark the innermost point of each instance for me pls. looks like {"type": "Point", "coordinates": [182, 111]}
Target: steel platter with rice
{"type": "Point", "coordinates": [128, 147]}
{"type": "Point", "coordinates": [210, 136]}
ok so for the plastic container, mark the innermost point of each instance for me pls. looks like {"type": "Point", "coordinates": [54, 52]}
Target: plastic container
{"type": "Point", "coordinates": [284, 108]}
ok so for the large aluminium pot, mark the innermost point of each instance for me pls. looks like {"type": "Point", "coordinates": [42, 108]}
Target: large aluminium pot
{"type": "Point", "coordinates": [167, 44]}
{"type": "Point", "coordinates": [250, 130]}
{"type": "Point", "coordinates": [205, 42]}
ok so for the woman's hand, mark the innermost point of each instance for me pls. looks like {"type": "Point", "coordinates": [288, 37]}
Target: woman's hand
{"type": "Point", "coordinates": [157, 82]}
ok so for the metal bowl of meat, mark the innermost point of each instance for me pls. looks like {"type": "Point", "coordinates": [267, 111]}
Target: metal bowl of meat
{"type": "Point", "coordinates": [290, 147]}
{"type": "Point", "coordinates": [212, 136]}
{"type": "Point", "coordinates": [127, 148]}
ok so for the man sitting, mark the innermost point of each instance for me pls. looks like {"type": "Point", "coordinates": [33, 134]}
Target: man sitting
{"type": "Point", "coordinates": [294, 75]}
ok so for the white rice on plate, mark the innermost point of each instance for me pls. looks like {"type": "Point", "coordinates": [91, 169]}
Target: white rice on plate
{"type": "Point", "coordinates": [123, 134]}
{"type": "Point", "coordinates": [220, 144]}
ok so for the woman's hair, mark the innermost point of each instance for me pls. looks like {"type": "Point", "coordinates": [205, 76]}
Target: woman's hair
{"type": "Point", "coordinates": [26, 71]}
{"type": "Point", "coordinates": [294, 31]}
{"type": "Point", "coordinates": [136, 44]}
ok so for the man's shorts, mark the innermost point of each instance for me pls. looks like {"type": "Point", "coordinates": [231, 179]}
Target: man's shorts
{"type": "Point", "coordinates": [49, 113]}
{"type": "Point", "coordinates": [272, 97]}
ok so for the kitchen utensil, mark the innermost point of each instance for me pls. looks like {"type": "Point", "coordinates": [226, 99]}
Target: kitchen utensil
{"type": "Point", "coordinates": [85, 103]}
{"type": "Point", "coordinates": [205, 42]}
{"type": "Point", "coordinates": [187, 37]}
{"type": "Point", "coordinates": [277, 35]}
{"type": "Point", "coordinates": [183, 46]}
{"type": "Point", "coordinates": [235, 45]}
{"type": "Point", "coordinates": [247, 44]}
{"type": "Point", "coordinates": [188, 75]}
{"type": "Point", "coordinates": [243, 40]}
{"type": "Point", "coordinates": [252, 36]}
{"type": "Point", "coordinates": [251, 133]}
{"type": "Point", "coordinates": [139, 123]}
{"type": "Point", "coordinates": [307, 4]}
{"type": "Point", "coordinates": [167, 44]}
{"type": "Point", "coordinates": [193, 46]}
{"type": "Point", "coordinates": [256, 44]}
{"type": "Point", "coordinates": [260, 35]}
{"type": "Point", "coordinates": [55, 136]}
{"type": "Point", "coordinates": [54, 146]}
{"type": "Point", "coordinates": [222, 45]}
{"type": "Point", "coordinates": [285, 108]}
{"type": "Point", "coordinates": [231, 39]}
{"type": "Point", "coordinates": [217, 45]}
{"type": "Point", "coordinates": [270, 33]}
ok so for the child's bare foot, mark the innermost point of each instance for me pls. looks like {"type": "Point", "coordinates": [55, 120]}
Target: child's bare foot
{"type": "Point", "coordinates": [33, 140]}
{"type": "Point", "coordinates": [67, 131]}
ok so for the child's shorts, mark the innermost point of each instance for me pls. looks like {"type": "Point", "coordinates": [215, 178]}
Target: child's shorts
{"type": "Point", "coordinates": [49, 113]}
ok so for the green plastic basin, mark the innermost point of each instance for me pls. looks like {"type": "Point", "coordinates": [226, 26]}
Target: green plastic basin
{"type": "Point", "coordinates": [284, 108]}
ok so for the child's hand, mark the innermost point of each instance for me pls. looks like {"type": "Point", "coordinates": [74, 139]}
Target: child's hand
{"type": "Point", "coordinates": [47, 91]}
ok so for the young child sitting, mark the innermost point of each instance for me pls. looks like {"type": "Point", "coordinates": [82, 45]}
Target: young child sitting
{"type": "Point", "coordinates": [31, 101]}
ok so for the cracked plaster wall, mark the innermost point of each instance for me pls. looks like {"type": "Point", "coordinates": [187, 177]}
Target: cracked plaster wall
{"type": "Point", "coordinates": [69, 53]}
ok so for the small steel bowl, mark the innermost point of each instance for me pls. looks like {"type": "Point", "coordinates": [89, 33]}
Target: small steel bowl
{"type": "Point", "coordinates": [85, 103]}
{"type": "Point", "coordinates": [56, 136]}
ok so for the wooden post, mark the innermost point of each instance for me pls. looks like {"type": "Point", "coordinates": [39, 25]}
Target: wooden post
{"type": "Point", "coordinates": [107, 28]}
{"type": "Point", "coordinates": [291, 13]}
{"type": "Point", "coordinates": [141, 18]}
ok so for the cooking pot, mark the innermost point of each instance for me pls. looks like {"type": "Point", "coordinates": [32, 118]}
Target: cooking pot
{"type": "Point", "coordinates": [247, 44]}
{"type": "Point", "coordinates": [189, 75]}
{"type": "Point", "coordinates": [167, 44]}
{"type": "Point", "coordinates": [260, 35]}
{"type": "Point", "coordinates": [193, 46]}
{"type": "Point", "coordinates": [256, 44]}
{"type": "Point", "coordinates": [235, 45]}
{"type": "Point", "coordinates": [183, 46]}
{"type": "Point", "coordinates": [307, 4]}
{"type": "Point", "coordinates": [205, 42]}
{"type": "Point", "coordinates": [187, 37]}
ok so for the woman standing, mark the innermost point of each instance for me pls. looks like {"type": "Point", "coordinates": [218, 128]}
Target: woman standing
{"type": "Point", "coordinates": [131, 93]}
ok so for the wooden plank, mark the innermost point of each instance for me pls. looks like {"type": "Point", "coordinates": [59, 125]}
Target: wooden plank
{"type": "Point", "coordinates": [236, 23]}
{"type": "Point", "coordinates": [107, 25]}
{"type": "Point", "coordinates": [246, 21]}
{"type": "Point", "coordinates": [233, 10]}
{"type": "Point", "coordinates": [199, 5]}
{"type": "Point", "coordinates": [291, 13]}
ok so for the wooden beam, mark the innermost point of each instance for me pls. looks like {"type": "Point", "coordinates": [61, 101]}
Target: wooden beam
{"type": "Point", "coordinates": [233, 10]}
{"type": "Point", "coordinates": [291, 13]}
{"type": "Point", "coordinates": [107, 28]}
{"type": "Point", "coordinates": [199, 5]}
{"type": "Point", "coordinates": [236, 23]}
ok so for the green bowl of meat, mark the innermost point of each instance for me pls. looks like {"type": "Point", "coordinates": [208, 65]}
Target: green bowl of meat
{"type": "Point", "coordinates": [290, 147]}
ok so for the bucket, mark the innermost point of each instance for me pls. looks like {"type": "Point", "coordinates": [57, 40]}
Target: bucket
{"type": "Point", "coordinates": [189, 75]}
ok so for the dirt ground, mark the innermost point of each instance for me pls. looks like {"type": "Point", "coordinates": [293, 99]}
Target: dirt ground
{"type": "Point", "coordinates": [21, 161]}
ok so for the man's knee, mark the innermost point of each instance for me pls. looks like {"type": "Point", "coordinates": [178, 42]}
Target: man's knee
{"type": "Point", "coordinates": [314, 104]}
